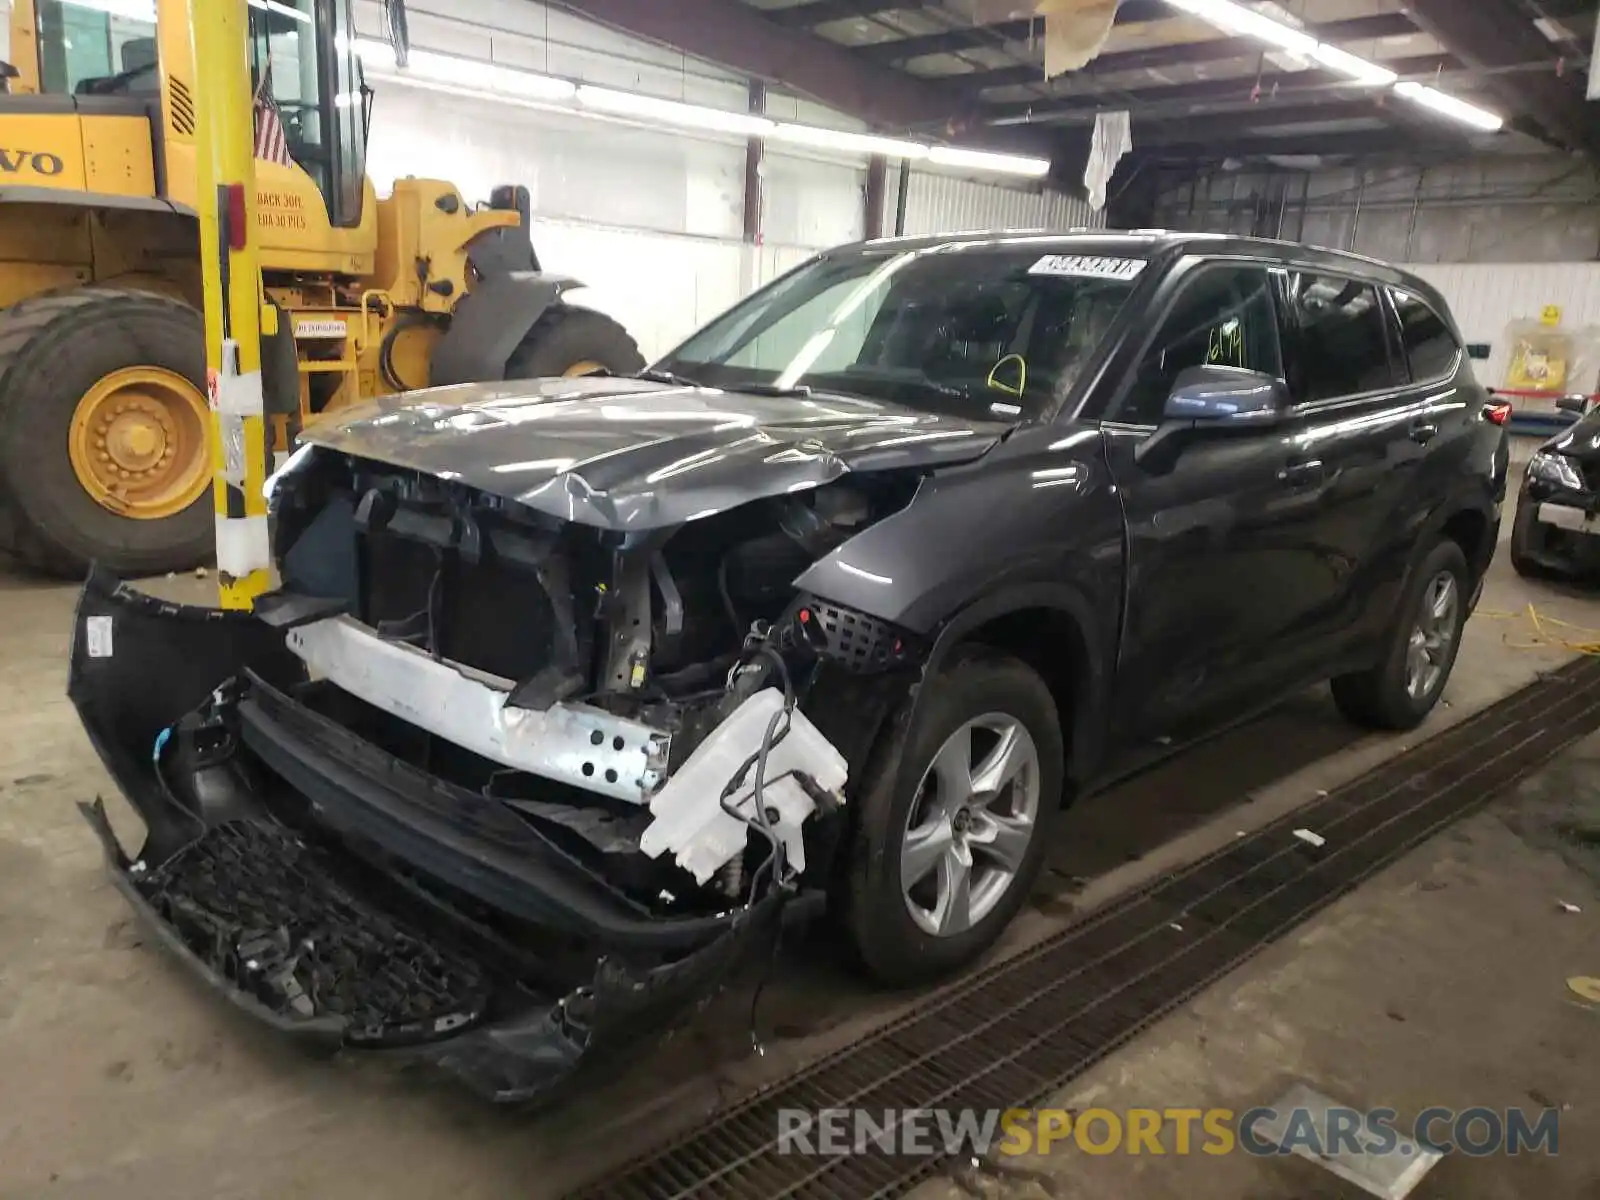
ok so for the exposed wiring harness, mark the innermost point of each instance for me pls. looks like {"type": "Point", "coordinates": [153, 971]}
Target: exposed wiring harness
{"type": "Point", "coordinates": [774, 865]}
{"type": "Point", "coordinates": [759, 819]}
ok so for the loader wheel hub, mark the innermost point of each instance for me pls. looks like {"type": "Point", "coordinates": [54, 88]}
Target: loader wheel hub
{"type": "Point", "coordinates": [138, 443]}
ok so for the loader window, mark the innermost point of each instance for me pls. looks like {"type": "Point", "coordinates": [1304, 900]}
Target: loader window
{"type": "Point", "coordinates": [100, 47]}
{"type": "Point", "coordinates": [303, 69]}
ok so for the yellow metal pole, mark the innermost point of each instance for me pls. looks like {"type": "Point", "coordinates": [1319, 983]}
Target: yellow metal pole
{"type": "Point", "coordinates": [226, 198]}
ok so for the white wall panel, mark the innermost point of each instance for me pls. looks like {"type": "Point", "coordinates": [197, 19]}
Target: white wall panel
{"type": "Point", "coordinates": [809, 202]}
{"type": "Point", "coordinates": [660, 286]}
{"type": "Point", "coordinates": [1485, 298]}
{"type": "Point", "coordinates": [574, 167]}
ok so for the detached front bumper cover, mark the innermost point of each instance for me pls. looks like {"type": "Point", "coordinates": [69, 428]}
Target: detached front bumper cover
{"type": "Point", "coordinates": [329, 948]}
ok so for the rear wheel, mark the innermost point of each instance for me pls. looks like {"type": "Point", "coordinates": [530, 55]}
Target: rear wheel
{"type": "Point", "coordinates": [103, 433]}
{"type": "Point", "coordinates": [574, 341]}
{"type": "Point", "coordinates": [1402, 690]}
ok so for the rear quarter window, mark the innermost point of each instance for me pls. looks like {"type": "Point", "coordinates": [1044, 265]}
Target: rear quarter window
{"type": "Point", "coordinates": [1431, 349]}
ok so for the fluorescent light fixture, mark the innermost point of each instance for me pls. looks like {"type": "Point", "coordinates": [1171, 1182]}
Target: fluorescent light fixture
{"type": "Point", "coordinates": [983, 160]}
{"type": "Point", "coordinates": [1236, 18]}
{"type": "Point", "coordinates": [469, 77]}
{"type": "Point", "coordinates": [1356, 67]}
{"type": "Point", "coordinates": [463, 76]}
{"type": "Point", "coordinates": [283, 10]}
{"type": "Point", "coordinates": [375, 54]}
{"type": "Point", "coordinates": [850, 143]}
{"type": "Point", "coordinates": [1449, 106]}
{"type": "Point", "coordinates": [671, 112]}
{"type": "Point", "coordinates": [1233, 17]}
{"type": "Point", "coordinates": [131, 10]}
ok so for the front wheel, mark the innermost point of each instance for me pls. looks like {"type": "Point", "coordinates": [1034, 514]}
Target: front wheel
{"type": "Point", "coordinates": [955, 819]}
{"type": "Point", "coordinates": [104, 426]}
{"type": "Point", "coordinates": [1403, 689]}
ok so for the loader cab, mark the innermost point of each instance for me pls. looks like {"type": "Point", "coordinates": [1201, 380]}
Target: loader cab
{"type": "Point", "coordinates": [304, 74]}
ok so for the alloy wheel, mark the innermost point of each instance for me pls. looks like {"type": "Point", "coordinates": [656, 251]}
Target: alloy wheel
{"type": "Point", "coordinates": [1428, 652]}
{"type": "Point", "coordinates": [971, 824]}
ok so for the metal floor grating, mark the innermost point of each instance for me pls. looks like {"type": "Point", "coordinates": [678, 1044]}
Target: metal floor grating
{"type": "Point", "coordinates": [1013, 1033]}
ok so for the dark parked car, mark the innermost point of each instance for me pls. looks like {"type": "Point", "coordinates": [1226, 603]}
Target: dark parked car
{"type": "Point", "coordinates": [576, 689]}
{"type": "Point", "coordinates": [1557, 527]}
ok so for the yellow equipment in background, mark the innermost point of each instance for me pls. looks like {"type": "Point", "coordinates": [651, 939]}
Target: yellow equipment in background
{"type": "Point", "coordinates": [104, 450]}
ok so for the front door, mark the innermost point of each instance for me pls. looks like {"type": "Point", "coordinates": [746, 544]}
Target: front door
{"type": "Point", "coordinates": [1221, 550]}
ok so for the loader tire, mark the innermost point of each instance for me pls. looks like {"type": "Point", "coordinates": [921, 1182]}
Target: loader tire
{"type": "Point", "coordinates": [571, 341]}
{"type": "Point", "coordinates": [103, 428]}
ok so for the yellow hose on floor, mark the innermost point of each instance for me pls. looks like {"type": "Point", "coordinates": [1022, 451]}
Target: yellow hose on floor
{"type": "Point", "coordinates": [1547, 633]}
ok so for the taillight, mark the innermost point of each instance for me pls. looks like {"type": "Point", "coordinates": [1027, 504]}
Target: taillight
{"type": "Point", "coordinates": [1497, 412]}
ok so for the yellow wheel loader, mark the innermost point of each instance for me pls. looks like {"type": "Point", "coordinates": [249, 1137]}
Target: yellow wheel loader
{"type": "Point", "coordinates": [103, 410]}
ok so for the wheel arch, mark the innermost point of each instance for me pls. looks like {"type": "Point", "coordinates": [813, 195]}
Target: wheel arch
{"type": "Point", "coordinates": [490, 323]}
{"type": "Point", "coordinates": [1051, 628]}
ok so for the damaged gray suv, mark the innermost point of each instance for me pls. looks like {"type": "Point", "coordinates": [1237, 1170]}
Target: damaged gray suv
{"type": "Point", "coordinates": [575, 690]}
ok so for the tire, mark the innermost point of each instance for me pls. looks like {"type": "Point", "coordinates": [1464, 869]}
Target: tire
{"type": "Point", "coordinates": [891, 944]}
{"type": "Point", "coordinates": [1382, 698]}
{"type": "Point", "coordinates": [53, 350]}
{"type": "Point", "coordinates": [568, 337]}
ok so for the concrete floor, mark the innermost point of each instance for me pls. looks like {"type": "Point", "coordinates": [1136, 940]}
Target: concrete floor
{"type": "Point", "coordinates": [121, 1077]}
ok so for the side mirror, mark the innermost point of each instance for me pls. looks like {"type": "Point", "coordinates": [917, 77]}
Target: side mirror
{"type": "Point", "coordinates": [1225, 396]}
{"type": "Point", "coordinates": [1573, 404]}
{"type": "Point", "coordinates": [1207, 400]}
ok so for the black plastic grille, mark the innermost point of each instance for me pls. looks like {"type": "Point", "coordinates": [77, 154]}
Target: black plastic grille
{"type": "Point", "coordinates": [263, 911]}
{"type": "Point", "coordinates": [1016, 1032]}
{"type": "Point", "coordinates": [854, 640]}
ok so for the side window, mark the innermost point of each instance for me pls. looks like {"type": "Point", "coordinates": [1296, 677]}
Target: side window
{"type": "Point", "coordinates": [1336, 338]}
{"type": "Point", "coordinates": [1223, 316]}
{"type": "Point", "coordinates": [1431, 349]}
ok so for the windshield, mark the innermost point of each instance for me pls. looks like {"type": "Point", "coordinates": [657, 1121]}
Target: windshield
{"type": "Point", "coordinates": [96, 46]}
{"type": "Point", "coordinates": [986, 330]}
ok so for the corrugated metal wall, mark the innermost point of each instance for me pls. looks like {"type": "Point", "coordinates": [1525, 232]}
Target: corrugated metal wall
{"type": "Point", "coordinates": [939, 203]}
{"type": "Point", "coordinates": [1486, 298]}
{"type": "Point", "coordinates": [1489, 209]}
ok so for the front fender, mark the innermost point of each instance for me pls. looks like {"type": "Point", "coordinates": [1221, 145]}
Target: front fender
{"type": "Point", "coordinates": [491, 322]}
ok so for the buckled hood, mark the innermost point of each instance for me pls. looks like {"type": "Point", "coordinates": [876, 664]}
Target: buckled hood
{"type": "Point", "coordinates": [629, 454]}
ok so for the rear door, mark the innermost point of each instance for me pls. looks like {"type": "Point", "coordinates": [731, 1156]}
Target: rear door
{"type": "Point", "coordinates": [1368, 429]}
{"type": "Point", "coordinates": [1217, 544]}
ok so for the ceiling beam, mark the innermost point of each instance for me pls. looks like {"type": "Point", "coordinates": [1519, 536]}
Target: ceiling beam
{"type": "Point", "coordinates": [738, 37]}
{"type": "Point", "coordinates": [1217, 49]}
{"type": "Point", "coordinates": [970, 37]}
{"type": "Point", "coordinates": [1275, 88]}
{"type": "Point", "coordinates": [821, 12]}
{"type": "Point", "coordinates": [1492, 34]}
{"type": "Point", "coordinates": [1245, 123]}
{"type": "Point", "coordinates": [1361, 144]}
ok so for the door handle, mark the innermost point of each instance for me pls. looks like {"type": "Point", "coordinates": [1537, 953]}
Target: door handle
{"type": "Point", "coordinates": [1298, 474]}
{"type": "Point", "coordinates": [1423, 432]}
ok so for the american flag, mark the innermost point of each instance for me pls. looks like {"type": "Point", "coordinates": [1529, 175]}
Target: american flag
{"type": "Point", "coordinates": [271, 142]}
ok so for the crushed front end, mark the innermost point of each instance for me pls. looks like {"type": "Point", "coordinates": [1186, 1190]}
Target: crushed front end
{"type": "Point", "coordinates": [504, 792]}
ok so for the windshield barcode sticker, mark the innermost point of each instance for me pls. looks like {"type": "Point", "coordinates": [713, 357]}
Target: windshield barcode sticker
{"type": "Point", "coordinates": [1088, 266]}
